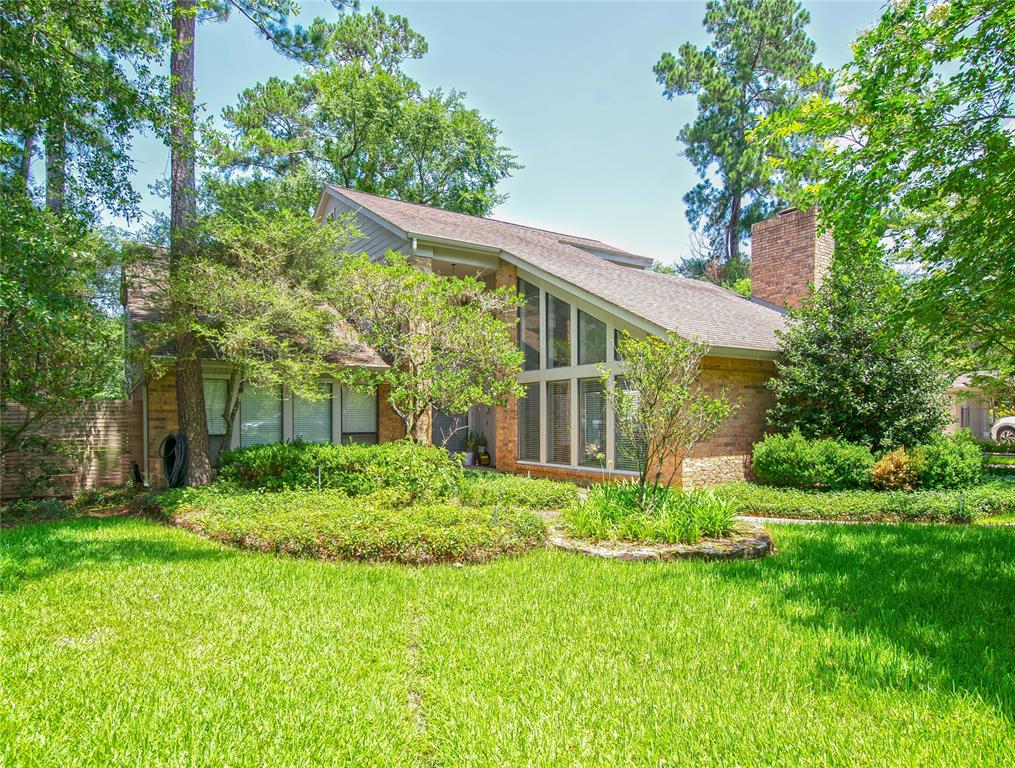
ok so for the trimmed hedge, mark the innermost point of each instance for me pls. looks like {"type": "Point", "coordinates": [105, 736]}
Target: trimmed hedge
{"type": "Point", "coordinates": [330, 525]}
{"type": "Point", "coordinates": [793, 461]}
{"type": "Point", "coordinates": [422, 472]}
{"type": "Point", "coordinates": [950, 462]}
{"type": "Point", "coordinates": [966, 505]}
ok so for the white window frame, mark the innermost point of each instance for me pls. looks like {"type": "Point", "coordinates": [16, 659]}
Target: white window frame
{"type": "Point", "coordinates": [215, 370]}
{"type": "Point", "coordinates": [573, 373]}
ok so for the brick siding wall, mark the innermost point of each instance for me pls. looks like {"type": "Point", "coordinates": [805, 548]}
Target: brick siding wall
{"type": "Point", "coordinates": [787, 256]}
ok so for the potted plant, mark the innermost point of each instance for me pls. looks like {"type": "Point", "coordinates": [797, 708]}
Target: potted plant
{"type": "Point", "coordinates": [482, 458]}
{"type": "Point", "coordinates": [470, 448]}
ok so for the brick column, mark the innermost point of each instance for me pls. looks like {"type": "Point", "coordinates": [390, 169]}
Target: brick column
{"type": "Point", "coordinates": [507, 414]}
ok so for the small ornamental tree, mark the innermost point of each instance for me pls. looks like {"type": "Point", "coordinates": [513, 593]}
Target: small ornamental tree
{"type": "Point", "coordinates": [847, 372]}
{"type": "Point", "coordinates": [661, 409]}
{"type": "Point", "coordinates": [257, 296]}
{"type": "Point", "coordinates": [445, 338]}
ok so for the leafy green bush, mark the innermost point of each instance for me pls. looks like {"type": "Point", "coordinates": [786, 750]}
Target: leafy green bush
{"type": "Point", "coordinates": [22, 511]}
{"type": "Point", "coordinates": [485, 488]}
{"type": "Point", "coordinates": [424, 472]}
{"type": "Point", "coordinates": [612, 512]}
{"type": "Point", "coordinates": [331, 525]}
{"type": "Point", "coordinates": [951, 462]}
{"type": "Point", "coordinates": [793, 461]}
{"type": "Point", "coordinates": [966, 505]}
{"type": "Point", "coordinates": [993, 446]}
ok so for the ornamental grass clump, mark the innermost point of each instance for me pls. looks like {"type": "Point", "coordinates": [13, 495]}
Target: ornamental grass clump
{"type": "Point", "coordinates": [614, 512]}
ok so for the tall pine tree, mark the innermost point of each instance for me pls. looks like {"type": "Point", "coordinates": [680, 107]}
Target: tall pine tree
{"type": "Point", "coordinates": [757, 62]}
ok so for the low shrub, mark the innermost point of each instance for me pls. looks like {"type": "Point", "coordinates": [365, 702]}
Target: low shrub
{"type": "Point", "coordinates": [611, 512]}
{"type": "Point", "coordinates": [994, 446]}
{"type": "Point", "coordinates": [424, 472]}
{"type": "Point", "coordinates": [954, 461]}
{"type": "Point", "coordinates": [332, 525]}
{"type": "Point", "coordinates": [963, 505]}
{"type": "Point", "coordinates": [24, 511]}
{"type": "Point", "coordinates": [485, 488]}
{"type": "Point", "coordinates": [793, 461]}
{"type": "Point", "coordinates": [897, 470]}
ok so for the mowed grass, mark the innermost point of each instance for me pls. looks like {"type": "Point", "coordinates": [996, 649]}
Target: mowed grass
{"type": "Point", "coordinates": [130, 643]}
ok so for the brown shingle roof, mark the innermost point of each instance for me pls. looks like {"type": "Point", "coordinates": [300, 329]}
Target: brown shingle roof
{"type": "Point", "coordinates": [691, 308]}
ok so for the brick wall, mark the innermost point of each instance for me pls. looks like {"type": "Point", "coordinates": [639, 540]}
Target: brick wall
{"type": "Point", "coordinates": [163, 419]}
{"type": "Point", "coordinates": [389, 425]}
{"type": "Point", "coordinates": [96, 444]}
{"type": "Point", "coordinates": [787, 256]}
{"type": "Point", "coordinates": [506, 416]}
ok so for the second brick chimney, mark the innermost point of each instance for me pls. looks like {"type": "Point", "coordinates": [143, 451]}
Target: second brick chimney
{"type": "Point", "coordinates": [788, 257]}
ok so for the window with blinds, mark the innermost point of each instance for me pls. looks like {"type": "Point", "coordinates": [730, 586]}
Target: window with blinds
{"type": "Point", "coordinates": [626, 454]}
{"type": "Point", "coordinates": [528, 424]}
{"type": "Point", "coordinates": [558, 332]}
{"type": "Point", "coordinates": [312, 420]}
{"type": "Point", "coordinates": [528, 324]}
{"type": "Point", "coordinates": [359, 416]}
{"type": "Point", "coordinates": [450, 431]}
{"type": "Point", "coordinates": [558, 422]}
{"type": "Point", "coordinates": [216, 391]}
{"type": "Point", "coordinates": [591, 339]}
{"type": "Point", "coordinates": [591, 423]}
{"type": "Point", "coordinates": [260, 417]}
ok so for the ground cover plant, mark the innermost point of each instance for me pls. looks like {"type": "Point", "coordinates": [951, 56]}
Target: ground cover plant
{"type": "Point", "coordinates": [486, 488]}
{"type": "Point", "coordinates": [613, 512]}
{"type": "Point", "coordinates": [86, 503]}
{"type": "Point", "coordinates": [329, 524]}
{"type": "Point", "coordinates": [855, 645]}
{"type": "Point", "coordinates": [963, 505]}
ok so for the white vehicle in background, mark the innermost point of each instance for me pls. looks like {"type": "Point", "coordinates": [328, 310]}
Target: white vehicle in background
{"type": "Point", "coordinates": [1003, 430]}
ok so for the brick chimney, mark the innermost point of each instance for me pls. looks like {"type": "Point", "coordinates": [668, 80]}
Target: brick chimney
{"type": "Point", "coordinates": [788, 256]}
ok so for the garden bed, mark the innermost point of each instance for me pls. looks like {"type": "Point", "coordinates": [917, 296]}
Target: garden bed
{"type": "Point", "coordinates": [330, 525]}
{"type": "Point", "coordinates": [945, 506]}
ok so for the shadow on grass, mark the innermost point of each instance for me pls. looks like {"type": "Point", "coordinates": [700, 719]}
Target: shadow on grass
{"type": "Point", "coordinates": [35, 552]}
{"type": "Point", "coordinates": [928, 608]}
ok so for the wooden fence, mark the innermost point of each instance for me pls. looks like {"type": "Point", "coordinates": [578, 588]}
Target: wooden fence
{"type": "Point", "coordinates": [91, 447]}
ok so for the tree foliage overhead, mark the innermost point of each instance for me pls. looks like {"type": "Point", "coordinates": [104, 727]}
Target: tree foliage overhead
{"type": "Point", "coordinates": [356, 119]}
{"type": "Point", "coordinates": [758, 63]}
{"type": "Point", "coordinates": [847, 372]}
{"type": "Point", "coordinates": [917, 160]}
{"type": "Point", "coordinates": [446, 338]}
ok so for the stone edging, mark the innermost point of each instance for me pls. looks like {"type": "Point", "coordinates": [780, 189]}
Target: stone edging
{"type": "Point", "coordinates": [753, 541]}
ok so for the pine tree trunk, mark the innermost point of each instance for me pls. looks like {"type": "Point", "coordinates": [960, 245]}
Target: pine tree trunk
{"type": "Point", "coordinates": [183, 213]}
{"type": "Point", "coordinates": [733, 230]}
{"type": "Point", "coordinates": [56, 164]}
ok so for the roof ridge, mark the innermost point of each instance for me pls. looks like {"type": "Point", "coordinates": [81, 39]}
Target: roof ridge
{"type": "Point", "coordinates": [474, 216]}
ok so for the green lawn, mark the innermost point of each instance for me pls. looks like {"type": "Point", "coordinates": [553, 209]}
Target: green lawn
{"type": "Point", "coordinates": [129, 643]}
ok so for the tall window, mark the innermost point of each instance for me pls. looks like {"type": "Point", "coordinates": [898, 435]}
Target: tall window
{"type": "Point", "coordinates": [215, 394]}
{"type": "Point", "coordinates": [558, 422]}
{"type": "Point", "coordinates": [528, 424]}
{"type": "Point", "coordinates": [591, 423]}
{"type": "Point", "coordinates": [359, 416]}
{"type": "Point", "coordinates": [260, 416]}
{"type": "Point", "coordinates": [625, 452]}
{"type": "Point", "coordinates": [528, 324]}
{"type": "Point", "coordinates": [558, 332]}
{"type": "Point", "coordinates": [591, 339]}
{"type": "Point", "coordinates": [450, 430]}
{"type": "Point", "coordinates": [312, 420]}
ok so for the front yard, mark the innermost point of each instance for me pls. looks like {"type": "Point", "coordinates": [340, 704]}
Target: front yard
{"type": "Point", "coordinates": [127, 642]}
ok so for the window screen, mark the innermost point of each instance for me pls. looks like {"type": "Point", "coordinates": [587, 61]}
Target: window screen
{"type": "Point", "coordinates": [558, 332]}
{"type": "Point", "coordinates": [528, 424]}
{"type": "Point", "coordinates": [359, 416]}
{"type": "Point", "coordinates": [528, 324]}
{"type": "Point", "coordinates": [558, 422]}
{"type": "Point", "coordinates": [626, 452]}
{"type": "Point", "coordinates": [591, 339]}
{"type": "Point", "coordinates": [312, 421]}
{"type": "Point", "coordinates": [260, 417]}
{"type": "Point", "coordinates": [591, 423]}
{"type": "Point", "coordinates": [450, 430]}
{"type": "Point", "coordinates": [215, 393]}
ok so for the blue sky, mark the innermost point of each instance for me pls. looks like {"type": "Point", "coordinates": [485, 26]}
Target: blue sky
{"type": "Point", "coordinates": [569, 84]}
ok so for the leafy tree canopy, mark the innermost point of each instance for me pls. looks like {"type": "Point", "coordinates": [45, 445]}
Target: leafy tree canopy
{"type": "Point", "coordinates": [916, 160]}
{"type": "Point", "coordinates": [848, 372]}
{"type": "Point", "coordinates": [759, 62]}
{"type": "Point", "coordinates": [356, 119]}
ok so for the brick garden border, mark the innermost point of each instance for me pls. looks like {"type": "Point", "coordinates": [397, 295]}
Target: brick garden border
{"type": "Point", "coordinates": [752, 541]}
